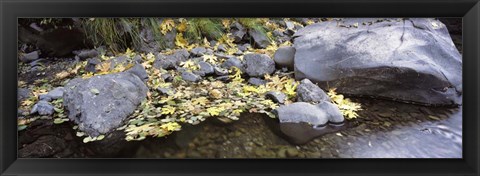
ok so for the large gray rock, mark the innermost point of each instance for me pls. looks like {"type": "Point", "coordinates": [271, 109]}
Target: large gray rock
{"type": "Point", "coordinates": [309, 92]}
{"type": "Point", "coordinates": [258, 65]}
{"type": "Point", "coordinates": [284, 57]}
{"type": "Point", "coordinates": [410, 60]}
{"type": "Point", "coordinates": [101, 103]}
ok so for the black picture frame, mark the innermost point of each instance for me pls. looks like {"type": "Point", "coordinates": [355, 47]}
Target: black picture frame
{"type": "Point", "coordinates": [10, 10]}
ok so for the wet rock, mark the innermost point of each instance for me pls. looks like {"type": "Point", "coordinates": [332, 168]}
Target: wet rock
{"type": "Point", "coordinates": [44, 146]}
{"type": "Point", "coordinates": [302, 112]}
{"type": "Point", "coordinates": [258, 65]}
{"type": "Point", "coordinates": [333, 113]}
{"type": "Point", "coordinates": [233, 62]}
{"type": "Point", "coordinates": [309, 92]}
{"type": "Point", "coordinates": [29, 57]}
{"type": "Point", "coordinates": [220, 71]}
{"type": "Point", "coordinates": [261, 40]}
{"type": "Point", "coordinates": [198, 51]}
{"type": "Point", "coordinates": [256, 81]}
{"type": "Point", "coordinates": [410, 60]}
{"type": "Point", "coordinates": [91, 65]}
{"type": "Point", "coordinates": [42, 108]}
{"type": "Point", "coordinates": [189, 76]}
{"type": "Point", "coordinates": [206, 68]}
{"type": "Point", "coordinates": [277, 97]}
{"type": "Point", "coordinates": [284, 57]}
{"type": "Point", "coordinates": [101, 103]}
{"type": "Point", "coordinates": [84, 54]}
{"type": "Point", "coordinates": [139, 71]}
{"type": "Point", "coordinates": [53, 94]}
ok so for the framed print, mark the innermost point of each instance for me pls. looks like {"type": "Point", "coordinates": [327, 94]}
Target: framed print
{"type": "Point", "coordinates": [239, 87]}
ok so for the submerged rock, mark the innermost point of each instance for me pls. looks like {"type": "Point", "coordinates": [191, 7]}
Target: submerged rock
{"type": "Point", "coordinates": [410, 60]}
{"type": "Point", "coordinates": [258, 65]}
{"type": "Point", "coordinates": [309, 92]}
{"type": "Point", "coordinates": [101, 103]}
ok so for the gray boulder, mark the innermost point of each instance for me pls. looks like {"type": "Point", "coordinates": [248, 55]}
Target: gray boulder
{"type": "Point", "coordinates": [102, 103]}
{"type": "Point", "coordinates": [284, 57]}
{"type": "Point", "coordinates": [220, 71]}
{"type": "Point", "coordinates": [309, 92]}
{"type": "Point", "coordinates": [412, 60]}
{"type": "Point", "coordinates": [53, 94]}
{"type": "Point", "coordinates": [238, 31]}
{"type": "Point", "coordinates": [29, 57]}
{"type": "Point", "coordinates": [42, 108]}
{"type": "Point", "coordinates": [258, 65]}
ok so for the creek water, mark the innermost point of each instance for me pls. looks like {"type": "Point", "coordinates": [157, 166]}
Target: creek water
{"type": "Point", "coordinates": [385, 129]}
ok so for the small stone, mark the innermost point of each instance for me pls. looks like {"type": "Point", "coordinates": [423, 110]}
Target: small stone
{"type": "Point", "coordinates": [54, 94]}
{"type": "Point", "coordinates": [166, 90]}
{"type": "Point", "coordinates": [220, 71]}
{"type": "Point", "coordinates": [221, 47]}
{"type": "Point", "coordinates": [206, 68]}
{"type": "Point", "coordinates": [309, 92]}
{"type": "Point", "coordinates": [91, 64]}
{"type": "Point", "coordinates": [256, 81]}
{"type": "Point", "coordinates": [225, 78]}
{"type": "Point", "coordinates": [292, 152]}
{"type": "Point", "coordinates": [189, 76]}
{"type": "Point", "coordinates": [198, 51]}
{"type": "Point", "coordinates": [233, 62]}
{"type": "Point", "coordinates": [42, 108]}
{"type": "Point", "coordinates": [84, 54]}
{"type": "Point", "coordinates": [277, 97]}
{"type": "Point", "coordinates": [29, 57]}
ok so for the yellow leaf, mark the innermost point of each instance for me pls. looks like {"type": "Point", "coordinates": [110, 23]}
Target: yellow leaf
{"type": "Point", "coordinates": [210, 59]}
{"type": "Point", "coordinates": [226, 23]}
{"type": "Point", "coordinates": [182, 27]}
{"type": "Point", "coordinates": [189, 65]}
{"type": "Point", "coordinates": [180, 41]}
{"type": "Point", "coordinates": [171, 126]}
{"type": "Point", "coordinates": [167, 26]}
{"type": "Point", "coordinates": [168, 109]}
{"type": "Point", "coordinates": [214, 111]}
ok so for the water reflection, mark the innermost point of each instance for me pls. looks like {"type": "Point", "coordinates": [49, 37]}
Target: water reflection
{"type": "Point", "coordinates": [385, 130]}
